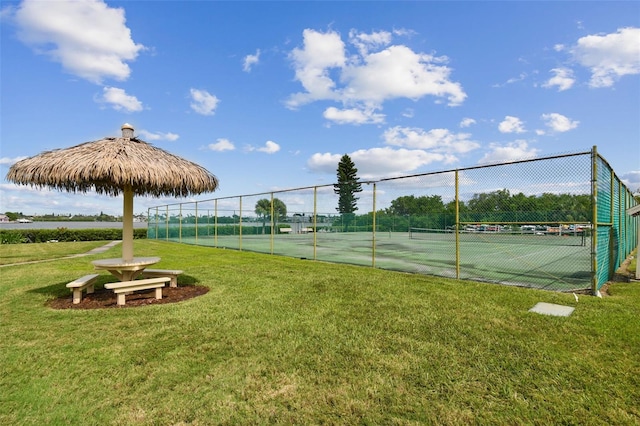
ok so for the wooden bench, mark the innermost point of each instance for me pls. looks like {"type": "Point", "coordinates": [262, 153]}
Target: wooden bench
{"type": "Point", "coordinates": [87, 282]}
{"type": "Point", "coordinates": [172, 273]}
{"type": "Point", "coordinates": [121, 289]}
{"type": "Point", "coordinates": [285, 230]}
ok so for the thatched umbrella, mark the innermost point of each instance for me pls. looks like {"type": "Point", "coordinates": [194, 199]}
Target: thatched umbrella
{"type": "Point", "coordinates": [112, 166]}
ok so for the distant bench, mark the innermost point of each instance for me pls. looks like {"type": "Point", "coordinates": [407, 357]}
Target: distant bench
{"type": "Point", "coordinates": [83, 283]}
{"type": "Point", "coordinates": [172, 273]}
{"type": "Point", "coordinates": [121, 289]}
{"type": "Point", "coordinates": [285, 230]}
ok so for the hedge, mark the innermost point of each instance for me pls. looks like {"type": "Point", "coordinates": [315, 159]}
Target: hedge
{"type": "Point", "coordinates": [17, 236]}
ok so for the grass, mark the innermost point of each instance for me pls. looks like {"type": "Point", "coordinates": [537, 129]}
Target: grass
{"type": "Point", "coordinates": [633, 265]}
{"type": "Point", "coordinates": [281, 340]}
{"type": "Point", "coordinates": [17, 253]}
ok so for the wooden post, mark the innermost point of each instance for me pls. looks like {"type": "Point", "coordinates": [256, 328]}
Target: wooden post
{"type": "Point", "coordinates": [127, 225]}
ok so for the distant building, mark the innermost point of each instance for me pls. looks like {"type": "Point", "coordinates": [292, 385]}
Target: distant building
{"type": "Point", "coordinates": [4, 218]}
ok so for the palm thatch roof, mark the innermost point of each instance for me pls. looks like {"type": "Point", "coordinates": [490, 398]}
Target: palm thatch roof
{"type": "Point", "coordinates": [111, 164]}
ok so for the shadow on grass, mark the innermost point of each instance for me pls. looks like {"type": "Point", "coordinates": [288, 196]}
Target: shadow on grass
{"type": "Point", "coordinates": [60, 289]}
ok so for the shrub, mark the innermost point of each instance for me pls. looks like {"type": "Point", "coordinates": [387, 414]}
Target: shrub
{"type": "Point", "coordinates": [17, 236]}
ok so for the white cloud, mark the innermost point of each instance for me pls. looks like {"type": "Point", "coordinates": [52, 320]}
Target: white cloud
{"type": "Point", "coordinates": [512, 80]}
{"type": "Point", "coordinates": [377, 162]}
{"type": "Point", "coordinates": [324, 162]}
{"type": "Point", "coordinates": [632, 180]}
{"type": "Point", "coordinates": [250, 61]}
{"type": "Point", "coordinates": [399, 72]}
{"type": "Point", "coordinates": [513, 151]}
{"type": "Point", "coordinates": [521, 77]}
{"type": "Point", "coordinates": [119, 100]}
{"type": "Point", "coordinates": [609, 56]}
{"type": "Point", "coordinates": [366, 79]}
{"type": "Point", "coordinates": [409, 113]}
{"type": "Point", "coordinates": [365, 42]}
{"type": "Point", "coordinates": [222, 145]}
{"type": "Point", "coordinates": [10, 161]}
{"type": "Point", "coordinates": [467, 122]}
{"type": "Point", "coordinates": [158, 136]}
{"type": "Point", "coordinates": [436, 140]}
{"type": "Point", "coordinates": [563, 79]}
{"type": "Point", "coordinates": [558, 122]}
{"type": "Point", "coordinates": [312, 63]}
{"type": "Point", "coordinates": [352, 116]}
{"type": "Point", "coordinates": [511, 125]}
{"type": "Point", "coordinates": [270, 147]}
{"type": "Point", "coordinates": [408, 150]}
{"type": "Point", "coordinates": [203, 102]}
{"type": "Point", "coordinates": [89, 38]}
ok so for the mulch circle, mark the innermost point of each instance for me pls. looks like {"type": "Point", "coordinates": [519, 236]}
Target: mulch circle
{"type": "Point", "coordinates": [103, 298]}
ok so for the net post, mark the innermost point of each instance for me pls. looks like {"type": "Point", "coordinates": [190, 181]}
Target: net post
{"type": "Point", "coordinates": [180, 224]}
{"type": "Point", "coordinates": [196, 222]}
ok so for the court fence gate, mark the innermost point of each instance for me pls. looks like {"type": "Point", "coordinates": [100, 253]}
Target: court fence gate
{"type": "Point", "coordinates": [556, 223]}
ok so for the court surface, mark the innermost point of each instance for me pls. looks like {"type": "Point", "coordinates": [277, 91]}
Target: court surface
{"type": "Point", "coordinates": [539, 261]}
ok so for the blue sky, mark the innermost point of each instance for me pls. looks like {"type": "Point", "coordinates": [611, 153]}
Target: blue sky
{"type": "Point", "coordinates": [269, 95]}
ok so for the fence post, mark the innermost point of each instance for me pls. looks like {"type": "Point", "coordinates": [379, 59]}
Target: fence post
{"type": "Point", "coordinates": [156, 223]}
{"type": "Point", "coordinates": [273, 228]}
{"type": "Point", "coordinates": [457, 192]}
{"type": "Point", "coordinates": [373, 230]}
{"type": "Point", "coordinates": [594, 221]}
{"type": "Point", "coordinates": [215, 223]}
{"type": "Point", "coordinates": [315, 221]}
{"type": "Point", "coordinates": [196, 222]}
{"type": "Point", "coordinates": [166, 228]}
{"type": "Point", "coordinates": [180, 224]}
{"type": "Point", "coordinates": [240, 226]}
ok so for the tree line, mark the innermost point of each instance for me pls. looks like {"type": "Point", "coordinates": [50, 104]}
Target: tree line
{"type": "Point", "coordinates": [430, 211]}
{"type": "Point", "coordinates": [494, 207]}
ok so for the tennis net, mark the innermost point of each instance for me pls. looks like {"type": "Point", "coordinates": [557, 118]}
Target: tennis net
{"type": "Point", "coordinates": [501, 235]}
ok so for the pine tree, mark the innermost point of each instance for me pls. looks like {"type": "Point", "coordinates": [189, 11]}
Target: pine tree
{"type": "Point", "coordinates": [347, 186]}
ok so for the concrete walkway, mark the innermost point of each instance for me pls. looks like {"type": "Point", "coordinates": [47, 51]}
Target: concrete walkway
{"type": "Point", "coordinates": [96, 250]}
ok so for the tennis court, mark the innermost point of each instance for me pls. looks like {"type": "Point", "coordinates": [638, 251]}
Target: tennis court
{"type": "Point", "coordinates": [418, 223]}
{"type": "Point", "coordinates": [539, 261]}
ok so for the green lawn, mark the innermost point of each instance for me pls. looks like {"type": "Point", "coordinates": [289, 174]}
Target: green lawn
{"type": "Point", "coordinates": [17, 253]}
{"type": "Point", "coordinates": [282, 340]}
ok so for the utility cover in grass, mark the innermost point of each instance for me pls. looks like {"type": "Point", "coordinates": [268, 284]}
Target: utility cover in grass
{"type": "Point", "coordinates": [552, 309]}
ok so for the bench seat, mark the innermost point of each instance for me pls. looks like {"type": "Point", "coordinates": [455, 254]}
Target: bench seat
{"type": "Point", "coordinates": [121, 289]}
{"type": "Point", "coordinates": [83, 283]}
{"type": "Point", "coordinates": [172, 273]}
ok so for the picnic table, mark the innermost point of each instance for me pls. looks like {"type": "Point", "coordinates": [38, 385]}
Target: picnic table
{"type": "Point", "coordinates": [125, 270]}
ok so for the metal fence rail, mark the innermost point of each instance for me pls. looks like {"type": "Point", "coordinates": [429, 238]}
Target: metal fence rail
{"type": "Point", "coordinates": [556, 223]}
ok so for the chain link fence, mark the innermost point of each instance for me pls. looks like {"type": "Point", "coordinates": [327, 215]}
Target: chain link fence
{"type": "Point", "coordinates": [556, 223]}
